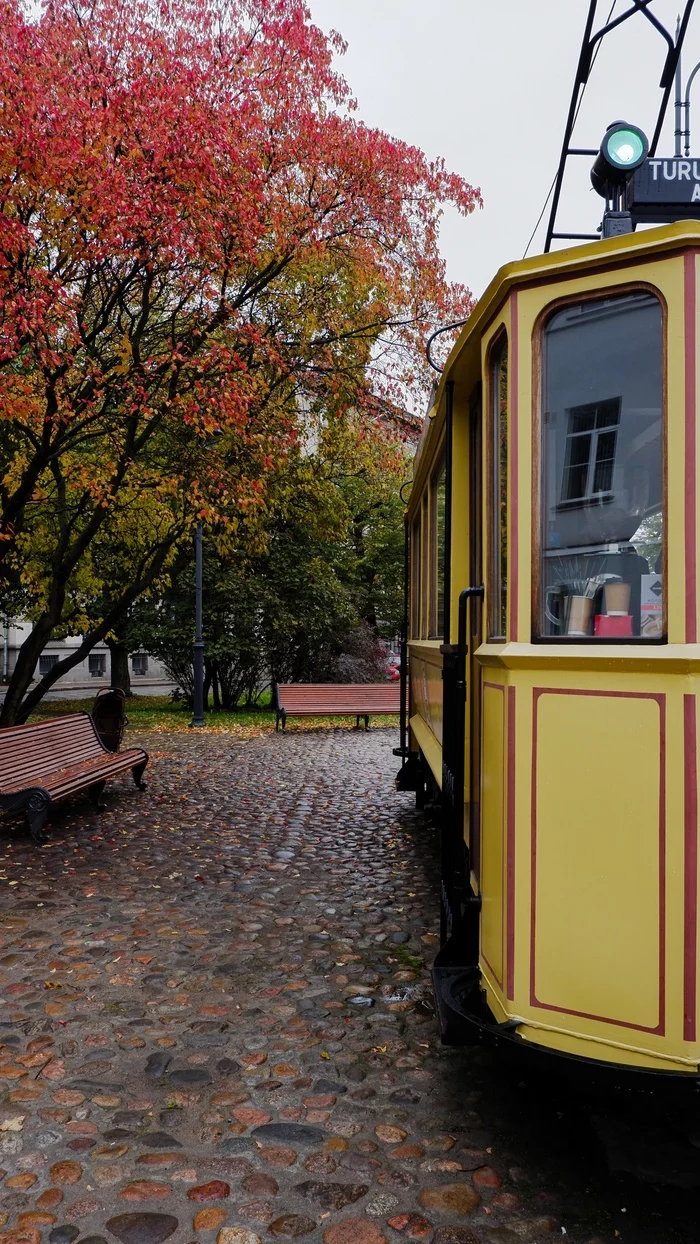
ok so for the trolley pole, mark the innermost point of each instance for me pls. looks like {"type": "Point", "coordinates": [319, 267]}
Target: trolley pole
{"type": "Point", "coordinates": [678, 104]}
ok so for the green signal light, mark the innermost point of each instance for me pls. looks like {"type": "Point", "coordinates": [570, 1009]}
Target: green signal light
{"type": "Point", "coordinates": [623, 149]}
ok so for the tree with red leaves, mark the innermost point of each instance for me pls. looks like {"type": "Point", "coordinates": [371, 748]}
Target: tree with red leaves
{"type": "Point", "coordinates": [195, 233]}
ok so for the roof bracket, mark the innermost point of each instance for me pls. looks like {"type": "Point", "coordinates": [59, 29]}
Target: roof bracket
{"type": "Point", "coordinates": [590, 46]}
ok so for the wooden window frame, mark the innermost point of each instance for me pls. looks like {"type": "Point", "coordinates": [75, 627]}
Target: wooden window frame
{"type": "Point", "coordinates": [425, 547]}
{"type": "Point", "coordinates": [438, 471]}
{"type": "Point", "coordinates": [496, 605]}
{"type": "Point", "coordinates": [547, 312]}
{"type": "Point", "coordinates": [415, 561]}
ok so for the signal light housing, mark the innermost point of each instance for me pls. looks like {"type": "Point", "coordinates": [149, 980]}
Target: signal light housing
{"type": "Point", "coordinates": [623, 149]}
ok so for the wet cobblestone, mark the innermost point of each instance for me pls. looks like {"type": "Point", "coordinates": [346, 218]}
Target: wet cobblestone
{"type": "Point", "coordinates": [216, 1019]}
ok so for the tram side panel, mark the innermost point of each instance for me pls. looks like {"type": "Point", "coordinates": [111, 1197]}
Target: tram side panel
{"type": "Point", "coordinates": [600, 877]}
{"type": "Point", "coordinates": [425, 722]}
{"type": "Point", "coordinates": [492, 861]}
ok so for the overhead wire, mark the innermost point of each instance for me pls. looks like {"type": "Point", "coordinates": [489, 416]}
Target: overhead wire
{"type": "Point", "coordinates": [578, 109]}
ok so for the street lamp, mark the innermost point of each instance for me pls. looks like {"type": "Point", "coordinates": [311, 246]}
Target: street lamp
{"type": "Point", "coordinates": [198, 646]}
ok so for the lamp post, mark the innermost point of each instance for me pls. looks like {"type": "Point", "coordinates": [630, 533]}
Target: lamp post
{"type": "Point", "coordinates": [198, 646]}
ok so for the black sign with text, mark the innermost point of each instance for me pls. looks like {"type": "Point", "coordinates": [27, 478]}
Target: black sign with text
{"type": "Point", "coordinates": [666, 190]}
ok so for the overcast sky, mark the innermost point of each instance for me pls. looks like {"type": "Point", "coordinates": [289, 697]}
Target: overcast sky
{"type": "Point", "coordinates": [486, 84]}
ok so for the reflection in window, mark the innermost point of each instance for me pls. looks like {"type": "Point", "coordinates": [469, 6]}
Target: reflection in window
{"type": "Point", "coordinates": [437, 625]}
{"type": "Point", "coordinates": [425, 566]}
{"type": "Point", "coordinates": [590, 450]}
{"type": "Point", "coordinates": [602, 470]}
{"type": "Point", "coordinates": [499, 492]}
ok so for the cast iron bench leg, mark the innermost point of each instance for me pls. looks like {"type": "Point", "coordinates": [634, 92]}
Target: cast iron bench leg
{"type": "Point", "coordinates": [38, 805]}
{"type": "Point", "coordinates": [137, 773]}
{"type": "Point", "coordinates": [95, 793]}
{"type": "Point", "coordinates": [36, 802]}
{"type": "Point", "coordinates": [366, 723]}
{"type": "Point", "coordinates": [283, 715]}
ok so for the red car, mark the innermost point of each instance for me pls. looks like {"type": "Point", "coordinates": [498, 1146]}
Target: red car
{"type": "Point", "coordinates": [393, 668]}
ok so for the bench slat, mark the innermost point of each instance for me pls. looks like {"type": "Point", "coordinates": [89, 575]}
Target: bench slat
{"type": "Point", "coordinates": [338, 699]}
{"type": "Point", "coordinates": [97, 769]}
{"type": "Point", "coordinates": [40, 764]}
{"type": "Point", "coordinates": [36, 750]}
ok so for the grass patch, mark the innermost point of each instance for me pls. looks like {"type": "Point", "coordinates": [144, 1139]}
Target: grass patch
{"type": "Point", "coordinates": [409, 960]}
{"type": "Point", "coordinates": [159, 714]}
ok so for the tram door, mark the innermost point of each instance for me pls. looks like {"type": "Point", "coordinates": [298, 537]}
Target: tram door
{"type": "Point", "coordinates": [461, 707]}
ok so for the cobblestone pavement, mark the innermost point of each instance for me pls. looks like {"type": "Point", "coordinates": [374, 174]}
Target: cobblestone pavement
{"type": "Point", "coordinates": [217, 1024]}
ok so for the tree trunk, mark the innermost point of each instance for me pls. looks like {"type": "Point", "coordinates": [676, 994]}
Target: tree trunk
{"type": "Point", "coordinates": [25, 664]}
{"type": "Point", "coordinates": [20, 701]}
{"type": "Point", "coordinates": [215, 687]}
{"type": "Point", "coordinates": [120, 676]}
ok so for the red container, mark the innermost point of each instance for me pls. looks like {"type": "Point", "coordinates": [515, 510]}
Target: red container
{"type": "Point", "coordinates": [613, 625]}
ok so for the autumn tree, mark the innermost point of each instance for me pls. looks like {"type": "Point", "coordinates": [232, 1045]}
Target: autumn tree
{"type": "Point", "coordinates": [195, 233]}
{"type": "Point", "coordinates": [309, 596]}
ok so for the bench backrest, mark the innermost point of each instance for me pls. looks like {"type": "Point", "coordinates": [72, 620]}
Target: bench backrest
{"type": "Point", "coordinates": [354, 697]}
{"type": "Point", "coordinates": [28, 752]}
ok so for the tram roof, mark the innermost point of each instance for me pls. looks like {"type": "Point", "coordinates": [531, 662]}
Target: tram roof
{"type": "Point", "coordinates": [463, 365]}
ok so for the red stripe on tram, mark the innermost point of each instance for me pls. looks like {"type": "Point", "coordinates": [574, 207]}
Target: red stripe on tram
{"type": "Point", "coordinates": [510, 867]}
{"type": "Point", "coordinates": [690, 870]}
{"type": "Point", "coordinates": [513, 430]}
{"type": "Point", "coordinates": [690, 311]}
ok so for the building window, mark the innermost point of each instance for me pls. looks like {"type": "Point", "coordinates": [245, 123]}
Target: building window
{"type": "Point", "coordinates": [47, 663]}
{"type": "Point", "coordinates": [139, 663]}
{"type": "Point", "coordinates": [437, 592]}
{"type": "Point", "coordinates": [498, 595]}
{"type": "Point", "coordinates": [96, 664]}
{"type": "Point", "coordinates": [602, 486]}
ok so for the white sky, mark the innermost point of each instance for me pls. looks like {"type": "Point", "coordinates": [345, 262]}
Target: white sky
{"type": "Point", "coordinates": [486, 84]}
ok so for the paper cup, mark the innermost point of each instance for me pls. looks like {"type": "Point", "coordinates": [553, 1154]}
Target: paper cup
{"type": "Point", "coordinates": [617, 597]}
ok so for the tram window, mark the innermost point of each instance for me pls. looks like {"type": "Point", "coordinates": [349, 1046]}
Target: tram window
{"type": "Point", "coordinates": [437, 595]}
{"type": "Point", "coordinates": [425, 567]}
{"type": "Point", "coordinates": [499, 493]}
{"type": "Point", "coordinates": [602, 470]}
{"type": "Point", "coordinates": [415, 579]}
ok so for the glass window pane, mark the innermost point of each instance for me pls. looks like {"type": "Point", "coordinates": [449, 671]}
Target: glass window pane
{"type": "Point", "coordinates": [438, 610]}
{"type": "Point", "coordinates": [415, 579]}
{"type": "Point", "coordinates": [602, 470]}
{"type": "Point", "coordinates": [425, 567]}
{"type": "Point", "coordinates": [499, 493]}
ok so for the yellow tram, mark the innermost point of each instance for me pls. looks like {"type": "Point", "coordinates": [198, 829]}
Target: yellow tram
{"type": "Point", "coordinates": [554, 655]}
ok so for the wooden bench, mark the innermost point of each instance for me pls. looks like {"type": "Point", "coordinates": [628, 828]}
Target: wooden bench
{"type": "Point", "coordinates": [331, 699]}
{"type": "Point", "coordinates": [43, 763]}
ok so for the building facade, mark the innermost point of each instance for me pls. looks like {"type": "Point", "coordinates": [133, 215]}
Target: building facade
{"type": "Point", "coordinates": [86, 677]}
